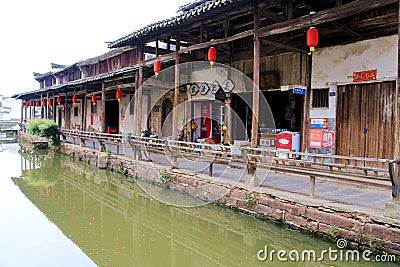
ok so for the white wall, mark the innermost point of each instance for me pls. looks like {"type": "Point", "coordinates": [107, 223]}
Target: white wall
{"type": "Point", "coordinates": [335, 65]}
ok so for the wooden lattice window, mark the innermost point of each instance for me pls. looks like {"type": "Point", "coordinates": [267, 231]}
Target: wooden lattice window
{"type": "Point", "coordinates": [320, 98]}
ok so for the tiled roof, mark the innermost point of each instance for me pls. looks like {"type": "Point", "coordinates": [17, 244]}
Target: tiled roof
{"type": "Point", "coordinates": [196, 10]}
{"type": "Point", "coordinates": [99, 77]}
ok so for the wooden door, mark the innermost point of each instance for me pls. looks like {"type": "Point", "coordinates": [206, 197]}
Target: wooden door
{"type": "Point", "coordinates": [365, 120]}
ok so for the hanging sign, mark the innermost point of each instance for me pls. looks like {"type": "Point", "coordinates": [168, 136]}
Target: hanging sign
{"type": "Point", "coordinates": [363, 76]}
{"type": "Point", "coordinates": [299, 90]}
{"type": "Point", "coordinates": [227, 86]}
{"type": "Point", "coordinates": [204, 88]}
{"type": "Point", "coordinates": [319, 123]}
{"type": "Point", "coordinates": [193, 89]}
{"type": "Point", "coordinates": [214, 87]}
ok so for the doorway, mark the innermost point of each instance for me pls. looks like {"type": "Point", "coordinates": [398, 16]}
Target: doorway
{"type": "Point", "coordinates": [112, 116]}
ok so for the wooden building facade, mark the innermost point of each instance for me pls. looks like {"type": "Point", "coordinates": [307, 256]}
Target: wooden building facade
{"type": "Point", "coordinates": [350, 107]}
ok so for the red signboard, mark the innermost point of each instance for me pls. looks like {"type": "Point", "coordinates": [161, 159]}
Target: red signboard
{"type": "Point", "coordinates": [284, 141]}
{"type": "Point", "coordinates": [363, 76]}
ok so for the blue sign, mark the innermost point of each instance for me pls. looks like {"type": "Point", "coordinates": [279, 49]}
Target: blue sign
{"type": "Point", "coordinates": [299, 90]}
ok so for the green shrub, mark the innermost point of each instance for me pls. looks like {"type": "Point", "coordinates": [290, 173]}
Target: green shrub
{"type": "Point", "coordinates": [44, 128]}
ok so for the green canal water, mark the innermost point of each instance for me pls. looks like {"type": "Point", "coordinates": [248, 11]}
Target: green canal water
{"type": "Point", "coordinates": [57, 212]}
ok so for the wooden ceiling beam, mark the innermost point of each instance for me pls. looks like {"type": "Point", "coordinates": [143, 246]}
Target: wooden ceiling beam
{"type": "Point", "coordinates": [325, 16]}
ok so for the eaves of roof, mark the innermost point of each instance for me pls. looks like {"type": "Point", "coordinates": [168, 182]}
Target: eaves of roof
{"type": "Point", "coordinates": [86, 80]}
{"type": "Point", "coordinates": [170, 22]}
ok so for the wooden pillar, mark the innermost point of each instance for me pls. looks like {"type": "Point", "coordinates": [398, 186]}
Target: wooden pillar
{"type": "Point", "coordinates": [176, 92]}
{"type": "Point", "coordinates": [22, 114]}
{"type": "Point", "coordinates": [138, 107]}
{"type": "Point", "coordinates": [397, 103]}
{"type": "Point", "coordinates": [53, 109]}
{"type": "Point", "coordinates": [157, 48]}
{"type": "Point", "coordinates": [306, 105]}
{"type": "Point", "coordinates": [42, 113]}
{"type": "Point", "coordinates": [67, 113]}
{"type": "Point", "coordinates": [289, 10]}
{"type": "Point", "coordinates": [47, 106]}
{"type": "Point", "coordinates": [256, 78]}
{"type": "Point", "coordinates": [103, 108]}
{"type": "Point", "coordinates": [84, 111]}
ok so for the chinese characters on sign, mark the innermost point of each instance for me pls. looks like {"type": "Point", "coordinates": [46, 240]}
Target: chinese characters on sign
{"type": "Point", "coordinates": [363, 76]}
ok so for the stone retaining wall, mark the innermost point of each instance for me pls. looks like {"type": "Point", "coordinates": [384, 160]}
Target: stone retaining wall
{"type": "Point", "coordinates": [360, 227]}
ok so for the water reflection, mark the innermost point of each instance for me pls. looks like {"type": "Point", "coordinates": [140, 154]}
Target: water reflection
{"type": "Point", "coordinates": [116, 224]}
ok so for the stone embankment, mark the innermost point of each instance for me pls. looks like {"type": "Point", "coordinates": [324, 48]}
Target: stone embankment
{"type": "Point", "coordinates": [362, 227]}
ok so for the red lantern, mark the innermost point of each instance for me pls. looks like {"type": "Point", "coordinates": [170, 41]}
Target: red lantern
{"type": "Point", "coordinates": [23, 105]}
{"type": "Point", "coordinates": [94, 99]}
{"type": "Point", "coordinates": [312, 38]}
{"type": "Point", "coordinates": [37, 104]}
{"type": "Point", "coordinates": [43, 103]}
{"type": "Point", "coordinates": [212, 55]}
{"type": "Point", "coordinates": [157, 67]}
{"type": "Point", "coordinates": [119, 94]}
{"type": "Point", "coordinates": [58, 100]}
{"type": "Point", "coordinates": [74, 99]}
{"type": "Point", "coordinates": [31, 103]}
{"type": "Point", "coordinates": [50, 102]}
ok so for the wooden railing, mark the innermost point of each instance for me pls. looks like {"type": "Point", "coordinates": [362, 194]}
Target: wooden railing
{"type": "Point", "coordinates": [372, 171]}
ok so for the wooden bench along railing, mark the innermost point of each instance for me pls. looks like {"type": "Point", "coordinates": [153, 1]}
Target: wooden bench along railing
{"type": "Point", "coordinates": [366, 171]}
{"type": "Point", "coordinates": [102, 138]}
{"type": "Point", "coordinates": [371, 171]}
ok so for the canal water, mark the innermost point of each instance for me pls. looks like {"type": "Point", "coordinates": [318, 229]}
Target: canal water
{"type": "Point", "coordinates": [57, 212]}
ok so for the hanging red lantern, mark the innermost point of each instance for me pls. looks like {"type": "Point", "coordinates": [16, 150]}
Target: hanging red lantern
{"type": "Point", "coordinates": [119, 94]}
{"type": "Point", "coordinates": [312, 38]}
{"type": "Point", "coordinates": [212, 55]}
{"type": "Point", "coordinates": [43, 103]}
{"type": "Point", "coordinates": [157, 67]}
{"type": "Point", "coordinates": [94, 99]}
{"type": "Point", "coordinates": [50, 102]}
{"type": "Point", "coordinates": [23, 105]}
{"type": "Point", "coordinates": [37, 104]}
{"type": "Point", "coordinates": [31, 103]}
{"type": "Point", "coordinates": [74, 99]}
{"type": "Point", "coordinates": [58, 100]}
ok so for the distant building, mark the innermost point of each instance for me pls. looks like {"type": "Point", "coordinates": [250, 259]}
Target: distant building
{"type": "Point", "coordinates": [10, 109]}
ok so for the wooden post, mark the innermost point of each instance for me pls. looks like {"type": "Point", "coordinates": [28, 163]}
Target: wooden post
{"type": "Point", "coordinates": [397, 103]}
{"type": "Point", "coordinates": [84, 111]}
{"type": "Point", "coordinates": [138, 107]}
{"type": "Point", "coordinates": [306, 105]}
{"type": "Point", "coordinates": [176, 92]}
{"type": "Point", "coordinates": [312, 186]}
{"type": "Point", "coordinates": [256, 82]}
{"type": "Point", "coordinates": [289, 10]}
{"type": "Point", "coordinates": [103, 127]}
{"type": "Point", "coordinates": [47, 106]}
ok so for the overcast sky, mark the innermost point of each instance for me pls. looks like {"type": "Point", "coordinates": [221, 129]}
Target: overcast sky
{"type": "Point", "coordinates": [37, 33]}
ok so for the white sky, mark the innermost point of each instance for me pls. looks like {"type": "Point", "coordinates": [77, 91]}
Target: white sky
{"type": "Point", "coordinates": [34, 34]}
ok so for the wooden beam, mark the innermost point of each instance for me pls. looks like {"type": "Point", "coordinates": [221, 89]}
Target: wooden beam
{"type": "Point", "coordinates": [266, 13]}
{"type": "Point", "coordinates": [329, 15]}
{"type": "Point", "coordinates": [216, 42]}
{"type": "Point", "coordinates": [289, 47]}
{"type": "Point", "coordinates": [348, 30]}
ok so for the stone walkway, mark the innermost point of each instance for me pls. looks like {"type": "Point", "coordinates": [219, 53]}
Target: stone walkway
{"type": "Point", "coordinates": [367, 197]}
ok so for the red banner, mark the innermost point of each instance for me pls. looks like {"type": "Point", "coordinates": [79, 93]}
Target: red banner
{"type": "Point", "coordinates": [363, 76]}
